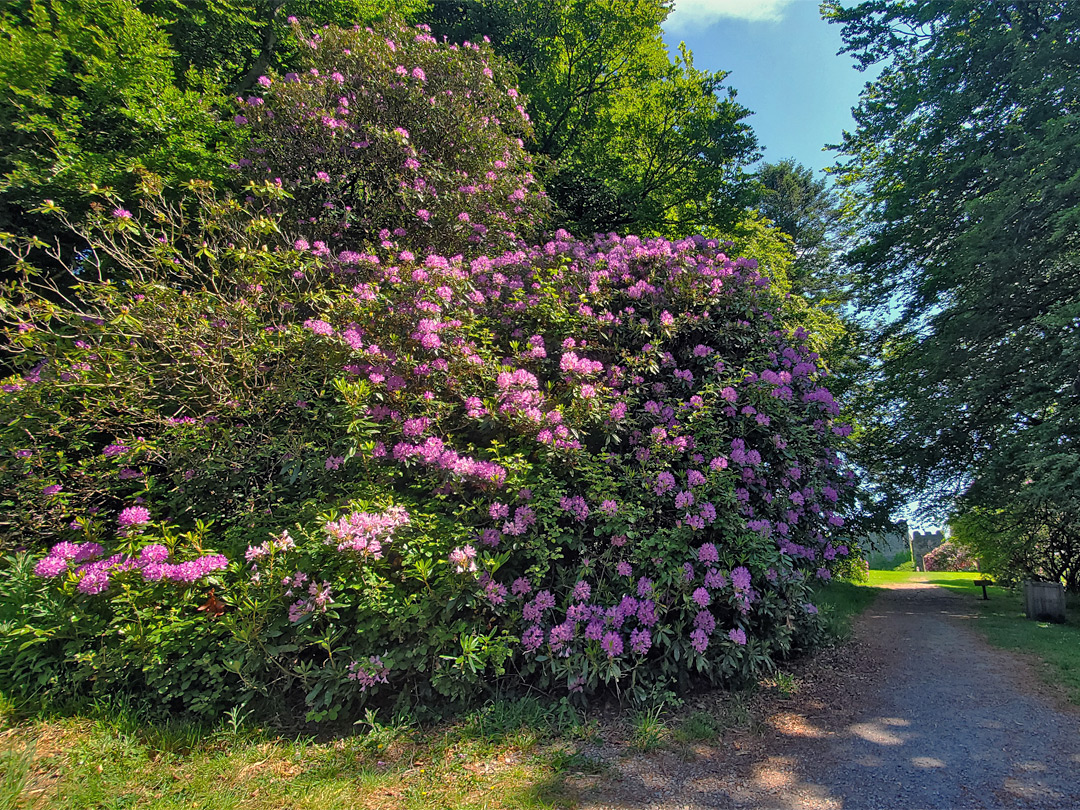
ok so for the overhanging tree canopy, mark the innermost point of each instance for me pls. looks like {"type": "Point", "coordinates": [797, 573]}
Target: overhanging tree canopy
{"type": "Point", "coordinates": [965, 169]}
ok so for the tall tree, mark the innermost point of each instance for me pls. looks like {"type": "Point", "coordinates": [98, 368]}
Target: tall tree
{"type": "Point", "coordinates": [633, 139]}
{"type": "Point", "coordinates": [236, 41]}
{"type": "Point", "coordinates": [88, 93]}
{"type": "Point", "coordinates": [807, 210]}
{"type": "Point", "coordinates": [965, 170]}
{"type": "Point", "coordinates": [91, 91]}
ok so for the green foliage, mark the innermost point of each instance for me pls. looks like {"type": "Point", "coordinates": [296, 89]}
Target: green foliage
{"type": "Point", "coordinates": [699, 726]}
{"type": "Point", "coordinates": [321, 448]}
{"type": "Point", "coordinates": [964, 171]}
{"type": "Point", "coordinates": [88, 96]}
{"type": "Point", "coordinates": [897, 562]}
{"type": "Point", "coordinates": [236, 41]}
{"type": "Point", "coordinates": [648, 731]}
{"type": "Point", "coordinates": [15, 765]}
{"type": "Point", "coordinates": [1028, 539]}
{"type": "Point", "coordinates": [634, 141]}
{"type": "Point", "coordinates": [808, 211]}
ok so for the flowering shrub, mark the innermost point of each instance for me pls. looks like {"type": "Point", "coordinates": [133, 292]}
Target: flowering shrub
{"type": "Point", "coordinates": [390, 135]}
{"type": "Point", "coordinates": [948, 557]}
{"type": "Point", "coordinates": [386, 471]}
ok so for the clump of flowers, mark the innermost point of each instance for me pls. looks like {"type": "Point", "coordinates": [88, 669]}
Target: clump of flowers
{"type": "Point", "coordinates": [357, 120]}
{"type": "Point", "coordinates": [366, 532]}
{"type": "Point", "coordinates": [949, 557]}
{"type": "Point", "coordinates": [94, 575]}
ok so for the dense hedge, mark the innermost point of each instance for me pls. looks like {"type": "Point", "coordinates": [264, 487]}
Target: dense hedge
{"type": "Point", "coordinates": [247, 455]}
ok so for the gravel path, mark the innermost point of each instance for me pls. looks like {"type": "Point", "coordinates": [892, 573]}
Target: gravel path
{"type": "Point", "coordinates": [916, 713]}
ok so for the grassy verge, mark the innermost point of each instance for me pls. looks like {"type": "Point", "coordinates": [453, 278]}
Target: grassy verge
{"type": "Point", "coordinates": [507, 756]}
{"type": "Point", "coordinates": [520, 754]}
{"type": "Point", "coordinates": [1055, 648]}
{"type": "Point", "coordinates": [841, 602]}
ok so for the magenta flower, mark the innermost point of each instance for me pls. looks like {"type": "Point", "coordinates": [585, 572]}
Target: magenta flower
{"type": "Point", "coordinates": [624, 569]}
{"type": "Point", "coordinates": [153, 553]}
{"type": "Point", "coordinates": [123, 213]}
{"type": "Point", "coordinates": [532, 638]}
{"type": "Point", "coordinates": [463, 559]}
{"type": "Point", "coordinates": [738, 635]}
{"type": "Point", "coordinates": [373, 671]}
{"type": "Point", "coordinates": [740, 579]}
{"type": "Point", "coordinates": [49, 567]}
{"type": "Point", "coordinates": [94, 581]}
{"type": "Point", "coordinates": [699, 640]}
{"type": "Point", "coordinates": [640, 641]}
{"type": "Point", "coordinates": [705, 621]}
{"type": "Point", "coordinates": [582, 591]}
{"type": "Point", "coordinates": [133, 516]}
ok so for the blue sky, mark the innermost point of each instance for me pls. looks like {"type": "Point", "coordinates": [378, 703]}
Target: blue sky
{"type": "Point", "coordinates": [781, 57]}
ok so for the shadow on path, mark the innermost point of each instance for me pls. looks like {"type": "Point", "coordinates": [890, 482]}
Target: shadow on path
{"type": "Point", "coordinates": [918, 713]}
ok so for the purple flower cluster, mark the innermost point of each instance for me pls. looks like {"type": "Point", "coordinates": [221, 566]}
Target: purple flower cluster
{"type": "Point", "coordinates": [94, 574]}
{"type": "Point", "coordinates": [576, 506]}
{"type": "Point", "coordinates": [317, 600]}
{"type": "Point", "coordinates": [434, 453]}
{"type": "Point", "coordinates": [366, 532]}
{"type": "Point", "coordinates": [371, 672]}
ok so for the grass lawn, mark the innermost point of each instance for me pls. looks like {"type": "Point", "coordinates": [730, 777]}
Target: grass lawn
{"type": "Point", "coordinates": [1001, 620]}
{"type": "Point", "coordinates": [506, 757]}
{"type": "Point", "coordinates": [840, 602]}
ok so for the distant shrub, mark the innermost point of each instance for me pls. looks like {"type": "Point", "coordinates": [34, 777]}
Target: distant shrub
{"type": "Point", "coordinates": [895, 562]}
{"type": "Point", "coordinates": [948, 557]}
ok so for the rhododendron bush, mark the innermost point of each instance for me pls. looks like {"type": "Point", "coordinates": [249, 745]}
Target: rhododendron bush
{"type": "Point", "coordinates": [257, 454]}
{"type": "Point", "coordinates": [949, 557]}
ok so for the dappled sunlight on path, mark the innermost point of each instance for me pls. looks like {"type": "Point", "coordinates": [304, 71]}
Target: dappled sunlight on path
{"type": "Point", "coordinates": [916, 713]}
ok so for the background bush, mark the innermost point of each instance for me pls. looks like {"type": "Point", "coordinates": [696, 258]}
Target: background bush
{"type": "Point", "coordinates": [948, 557]}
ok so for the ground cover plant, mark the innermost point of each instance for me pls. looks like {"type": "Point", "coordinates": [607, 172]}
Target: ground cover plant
{"type": "Point", "coordinates": [265, 448]}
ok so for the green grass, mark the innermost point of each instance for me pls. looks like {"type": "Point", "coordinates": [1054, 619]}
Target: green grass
{"type": "Point", "coordinates": [841, 602]}
{"type": "Point", "coordinates": [946, 578]}
{"type": "Point", "coordinates": [507, 756]}
{"type": "Point", "coordinates": [1053, 648]}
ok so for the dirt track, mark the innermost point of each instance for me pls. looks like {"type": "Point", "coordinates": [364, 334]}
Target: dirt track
{"type": "Point", "coordinates": [916, 713]}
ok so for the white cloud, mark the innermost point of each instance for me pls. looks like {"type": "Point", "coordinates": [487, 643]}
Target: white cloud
{"type": "Point", "coordinates": [696, 13]}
